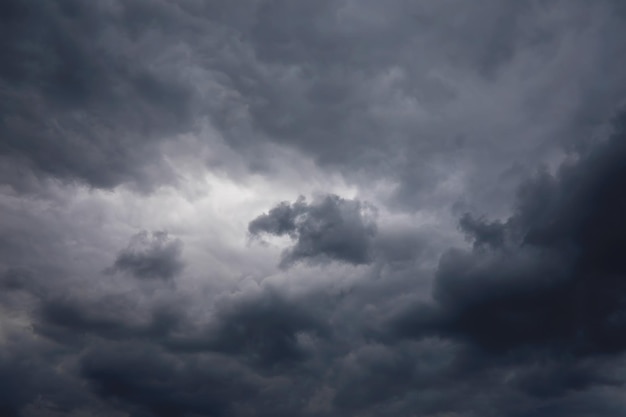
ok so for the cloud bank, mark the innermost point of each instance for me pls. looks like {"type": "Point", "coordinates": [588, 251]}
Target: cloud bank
{"type": "Point", "coordinates": [331, 208]}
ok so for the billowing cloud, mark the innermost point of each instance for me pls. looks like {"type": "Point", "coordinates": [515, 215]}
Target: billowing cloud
{"type": "Point", "coordinates": [372, 208]}
{"type": "Point", "coordinates": [331, 228]}
{"type": "Point", "coordinates": [548, 280]}
{"type": "Point", "coordinates": [550, 273]}
{"type": "Point", "coordinates": [80, 103]}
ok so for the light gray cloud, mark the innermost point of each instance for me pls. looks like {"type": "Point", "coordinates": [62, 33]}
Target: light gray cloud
{"type": "Point", "coordinates": [150, 256]}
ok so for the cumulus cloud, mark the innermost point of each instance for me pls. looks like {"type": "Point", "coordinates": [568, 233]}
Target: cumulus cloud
{"type": "Point", "coordinates": [330, 228]}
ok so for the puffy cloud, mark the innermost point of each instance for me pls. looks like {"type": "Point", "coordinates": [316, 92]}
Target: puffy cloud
{"type": "Point", "coordinates": [331, 228]}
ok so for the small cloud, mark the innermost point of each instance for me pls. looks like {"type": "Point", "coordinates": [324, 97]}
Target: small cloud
{"type": "Point", "coordinates": [328, 229]}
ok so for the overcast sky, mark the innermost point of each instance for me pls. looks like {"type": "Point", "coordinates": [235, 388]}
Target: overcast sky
{"type": "Point", "coordinates": [319, 208]}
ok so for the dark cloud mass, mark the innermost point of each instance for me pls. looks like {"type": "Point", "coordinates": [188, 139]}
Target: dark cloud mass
{"type": "Point", "coordinates": [398, 208]}
{"type": "Point", "coordinates": [77, 102]}
{"type": "Point", "coordinates": [547, 282]}
{"type": "Point", "coordinates": [331, 228]}
{"type": "Point", "coordinates": [552, 275]}
{"type": "Point", "coordinates": [268, 331]}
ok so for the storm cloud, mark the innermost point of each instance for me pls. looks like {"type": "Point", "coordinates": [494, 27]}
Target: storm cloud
{"type": "Point", "coordinates": [546, 284]}
{"type": "Point", "coordinates": [334, 208]}
{"type": "Point", "coordinates": [551, 274]}
{"type": "Point", "coordinates": [331, 228]}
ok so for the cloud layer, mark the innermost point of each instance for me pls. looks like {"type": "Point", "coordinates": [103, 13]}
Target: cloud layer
{"type": "Point", "coordinates": [330, 208]}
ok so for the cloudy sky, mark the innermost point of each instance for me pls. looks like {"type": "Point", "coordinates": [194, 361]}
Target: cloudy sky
{"type": "Point", "coordinates": [312, 208]}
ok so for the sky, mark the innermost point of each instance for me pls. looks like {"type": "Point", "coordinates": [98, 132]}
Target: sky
{"type": "Point", "coordinates": [312, 208]}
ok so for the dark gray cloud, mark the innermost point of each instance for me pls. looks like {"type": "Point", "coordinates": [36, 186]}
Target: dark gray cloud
{"type": "Point", "coordinates": [363, 90]}
{"type": "Point", "coordinates": [193, 116]}
{"type": "Point", "coordinates": [72, 322]}
{"type": "Point", "coordinates": [152, 382]}
{"type": "Point", "coordinates": [77, 102]}
{"type": "Point", "coordinates": [267, 331]}
{"type": "Point", "coordinates": [150, 256]}
{"type": "Point", "coordinates": [559, 250]}
{"type": "Point", "coordinates": [548, 281]}
{"type": "Point", "coordinates": [330, 228]}
{"type": "Point", "coordinates": [25, 376]}
{"type": "Point", "coordinates": [156, 362]}
{"type": "Point", "coordinates": [92, 92]}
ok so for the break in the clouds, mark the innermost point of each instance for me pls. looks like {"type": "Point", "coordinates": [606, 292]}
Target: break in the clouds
{"type": "Point", "coordinates": [329, 208]}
